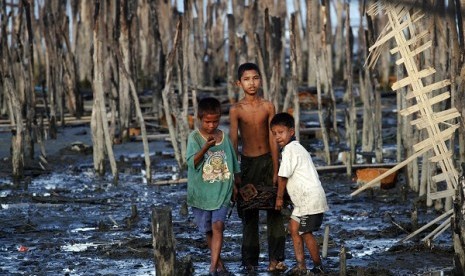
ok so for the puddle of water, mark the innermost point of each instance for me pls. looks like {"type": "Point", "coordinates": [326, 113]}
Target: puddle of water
{"type": "Point", "coordinates": [78, 247]}
{"type": "Point", "coordinates": [85, 229]}
{"type": "Point", "coordinates": [361, 248]}
{"type": "Point", "coordinates": [5, 193]}
{"type": "Point", "coordinates": [352, 218]}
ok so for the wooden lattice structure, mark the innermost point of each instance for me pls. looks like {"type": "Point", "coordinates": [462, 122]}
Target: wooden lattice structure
{"type": "Point", "coordinates": [437, 124]}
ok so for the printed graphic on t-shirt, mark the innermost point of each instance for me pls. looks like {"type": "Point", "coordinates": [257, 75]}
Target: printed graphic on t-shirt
{"type": "Point", "coordinates": [215, 167]}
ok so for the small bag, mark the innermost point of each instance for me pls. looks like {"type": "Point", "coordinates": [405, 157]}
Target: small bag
{"type": "Point", "coordinates": [248, 192]}
{"type": "Point", "coordinates": [259, 197]}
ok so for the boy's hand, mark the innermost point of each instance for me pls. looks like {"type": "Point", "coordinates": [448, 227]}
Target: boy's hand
{"type": "Point", "coordinates": [210, 142]}
{"type": "Point", "coordinates": [235, 192]}
{"type": "Point", "coordinates": [237, 182]}
{"type": "Point", "coordinates": [279, 203]}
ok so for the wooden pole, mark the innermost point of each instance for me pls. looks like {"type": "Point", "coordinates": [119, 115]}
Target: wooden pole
{"type": "Point", "coordinates": [294, 76]}
{"type": "Point", "coordinates": [414, 218]}
{"type": "Point", "coordinates": [352, 117]}
{"type": "Point", "coordinates": [448, 213]}
{"type": "Point", "coordinates": [231, 59]}
{"type": "Point", "coordinates": [458, 225]}
{"type": "Point", "coordinates": [168, 92]}
{"type": "Point", "coordinates": [141, 123]}
{"type": "Point", "coordinates": [14, 102]}
{"type": "Point", "coordinates": [163, 241]}
{"type": "Point", "coordinates": [99, 97]}
{"type": "Point", "coordinates": [324, 251]}
{"type": "Point", "coordinates": [342, 262]}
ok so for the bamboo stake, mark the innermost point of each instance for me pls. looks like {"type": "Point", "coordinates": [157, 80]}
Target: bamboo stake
{"type": "Point", "coordinates": [439, 230]}
{"type": "Point", "coordinates": [324, 251]}
{"type": "Point", "coordinates": [342, 261]}
{"type": "Point", "coordinates": [448, 213]}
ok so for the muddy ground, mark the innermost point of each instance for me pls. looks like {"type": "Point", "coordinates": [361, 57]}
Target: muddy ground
{"type": "Point", "coordinates": [66, 221]}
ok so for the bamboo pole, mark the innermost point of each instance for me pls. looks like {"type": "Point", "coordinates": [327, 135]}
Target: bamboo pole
{"type": "Point", "coordinates": [324, 251]}
{"type": "Point", "coordinates": [438, 231]}
{"type": "Point", "coordinates": [444, 215]}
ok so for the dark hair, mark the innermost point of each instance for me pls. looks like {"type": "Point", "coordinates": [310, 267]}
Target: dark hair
{"type": "Point", "coordinates": [209, 105]}
{"type": "Point", "coordinates": [245, 67]}
{"type": "Point", "coordinates": [283, 119]}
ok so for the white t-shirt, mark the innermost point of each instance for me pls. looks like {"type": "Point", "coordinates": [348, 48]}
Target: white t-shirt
{"type": "Point", "coordinates": [303, 185]}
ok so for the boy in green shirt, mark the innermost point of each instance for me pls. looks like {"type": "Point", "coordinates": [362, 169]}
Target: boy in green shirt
{"type": "Point", "coordinates": [212, 163]}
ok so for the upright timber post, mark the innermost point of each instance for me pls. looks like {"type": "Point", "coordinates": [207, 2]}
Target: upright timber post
{"type": "Point", "coordinates": [458, 225]}
{"type": "Point", "coordinates": [163, 241]}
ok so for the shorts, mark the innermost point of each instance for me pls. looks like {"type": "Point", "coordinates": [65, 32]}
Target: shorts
{"type": "Point", "coordinates": [205, 218]}
{"type": "Point", "coordinates": [309, 223]}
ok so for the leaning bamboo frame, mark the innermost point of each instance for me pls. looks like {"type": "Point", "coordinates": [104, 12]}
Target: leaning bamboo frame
{"type": "Point", "coordinates": [401, 21]}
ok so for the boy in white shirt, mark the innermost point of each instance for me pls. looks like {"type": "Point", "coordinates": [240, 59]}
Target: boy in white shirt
{"type": "Point", "coordinates": [298, 175]}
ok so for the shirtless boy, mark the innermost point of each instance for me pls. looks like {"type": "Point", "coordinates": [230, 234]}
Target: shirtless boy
{"type": "Point", "coordinates": [250, 117]}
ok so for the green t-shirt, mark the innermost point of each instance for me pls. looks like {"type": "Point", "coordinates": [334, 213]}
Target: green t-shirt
{"type": "Point", "coordinates": [210, 185]}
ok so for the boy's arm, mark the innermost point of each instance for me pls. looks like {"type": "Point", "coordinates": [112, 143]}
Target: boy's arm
{"type": "Point", "coordinates": [233, 136]}
{"type": "Point", "coordinates": [237, 182]}
{"type": "Point", "coordinates": [282, 182]}
{"type": "Point", "coordinates": [233, 128]}
{"type": "Point", "coordinates": [273, 147]}
{"type": "Point", "coordinates": [199, 155]}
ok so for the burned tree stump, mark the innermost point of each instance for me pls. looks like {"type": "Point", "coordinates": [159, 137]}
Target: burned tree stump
{"type": "Point", "coordinates": [164, 246]}
{"type": "Point", "coordinates": [163, 241]}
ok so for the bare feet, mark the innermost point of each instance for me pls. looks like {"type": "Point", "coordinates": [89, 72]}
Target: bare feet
{"type": "Point", "coordinates": [276, 266]}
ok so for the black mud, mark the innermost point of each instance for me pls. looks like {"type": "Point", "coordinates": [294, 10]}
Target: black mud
{"type": "Point", "coordinates": [67, 221]}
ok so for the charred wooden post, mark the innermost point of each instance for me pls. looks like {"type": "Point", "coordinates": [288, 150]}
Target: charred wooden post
{"type": "Point", "coordinates": [232, 64]}
{"type": "Point", "coordinates": [133, 218]}
{"type": "Point", "coordinates": [342, 261]}
{"type": "Point", "coordinates": [99, 124]}
{"type": "Point", "coordinates": [125, 71]}
{"type": "Point", "coordinates": [339, 40]}
{"type": "Point", "coordinates": [14, 101]}
{"type": "Point", "coordinates": [125, 61]}
{"type": "Point", "coordinates": [27, 54]}
{"type": "Point", "coordinates": [277, 50]}
{"type": "Point", "coordinates": [351, 121]}
{"type": "Point", "coordinates": [170, 100]}
{"type": "Point", "coordinates": [458, 225]}
{"type": "Point", "coordinates": [316, 35]}
{"type": "Point", "coordinates": [163, 241]}
{"type": "Point", "coordinates": [414, 218]}
{"type": "Point", "coordinates": [293, 82]}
